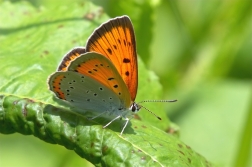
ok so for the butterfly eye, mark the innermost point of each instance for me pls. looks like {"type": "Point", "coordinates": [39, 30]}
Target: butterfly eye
{"type": "Point", "coordinates": [134, 107]}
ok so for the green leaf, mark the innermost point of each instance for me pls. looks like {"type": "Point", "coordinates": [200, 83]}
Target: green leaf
{"type": "Point", "coordinates": [145, 145]}
{"type": "Point", "coordinates": [33, 41]}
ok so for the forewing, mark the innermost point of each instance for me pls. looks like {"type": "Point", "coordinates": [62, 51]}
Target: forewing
{"type": "Point", "coordinates": [115, 40]}
{"type": "Point", "coordinates": [101, 69]}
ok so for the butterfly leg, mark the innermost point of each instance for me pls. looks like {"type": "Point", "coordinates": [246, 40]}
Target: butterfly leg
{"type": "Point", "coordinates": [112, 121]}
{"type": "Point", "coordinates": [126, 123]}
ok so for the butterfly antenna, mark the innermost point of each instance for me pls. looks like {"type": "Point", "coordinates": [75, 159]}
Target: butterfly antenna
{"type": "Point", "coordinates": [150, 111]}
{"type": "Point", "coordinates": [157, 101]}
{"type": "Point", "coordinates": [140, 106]}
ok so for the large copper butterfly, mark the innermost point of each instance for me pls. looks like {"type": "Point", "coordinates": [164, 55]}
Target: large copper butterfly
{"type": "Point", "coordinates": [103, 77]}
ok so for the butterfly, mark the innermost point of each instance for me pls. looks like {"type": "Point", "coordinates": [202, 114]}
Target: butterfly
{"type": "Point", "coordinates": [103, 76]}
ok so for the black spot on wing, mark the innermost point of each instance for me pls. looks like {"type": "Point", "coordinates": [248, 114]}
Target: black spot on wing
{"type": "Point", "coordinates": [125, 60]}
{"type": "Point", "coordinates": [109, 50]}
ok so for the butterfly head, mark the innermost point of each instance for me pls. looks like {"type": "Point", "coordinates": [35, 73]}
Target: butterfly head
{"type": "Point", "coordinates": [135, 107]}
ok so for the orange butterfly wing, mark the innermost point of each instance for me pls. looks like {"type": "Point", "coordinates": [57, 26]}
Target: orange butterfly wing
{"type": "Point", "coordinates": [69, 57]}
{"type": "Point", "coordinates": [98, 67]}
{"type": "Point", "coordinates": [115, 40]}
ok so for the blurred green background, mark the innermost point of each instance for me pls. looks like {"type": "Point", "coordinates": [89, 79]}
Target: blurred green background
{"type": "Point", "coordinates": [202, 53]}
